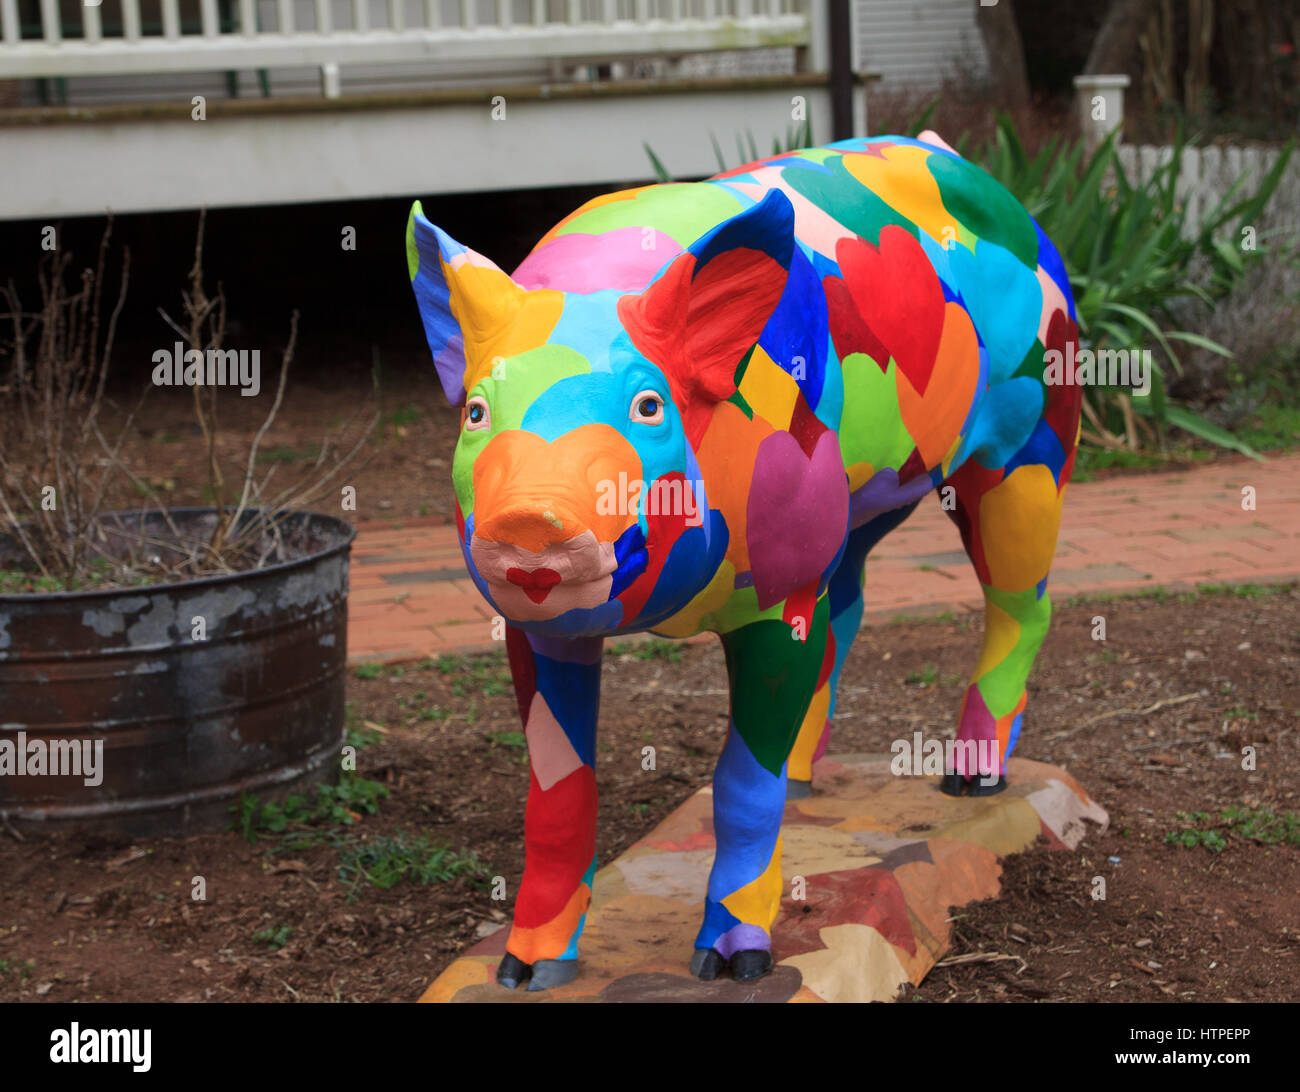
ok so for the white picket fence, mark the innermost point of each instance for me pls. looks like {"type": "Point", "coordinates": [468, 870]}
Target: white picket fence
{"type": "Point", "coordinates": [1205, 175]}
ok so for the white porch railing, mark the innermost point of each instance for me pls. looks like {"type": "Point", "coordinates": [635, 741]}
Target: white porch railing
{"type": "Point", "coordinates": [330, 33]}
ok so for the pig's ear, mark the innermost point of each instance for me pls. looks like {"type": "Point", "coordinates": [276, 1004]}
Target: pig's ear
{"type": "Point", "coordinates": [707, 309]}
{"type": "Point", "coordinates": [464, 298]}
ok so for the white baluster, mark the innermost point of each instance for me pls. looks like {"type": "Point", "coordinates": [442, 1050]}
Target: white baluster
{"type": "Point", "coordinates": [131, 20]}
{"type": "Point", "coordinates": [9, 14]}
{"type": "Point", "coordinates": [91, 26]}
{"type": "Point", "coordinates": [171, 19]}
{"type": "Point", "coordinates": [208, 17]}
{"type": "Point", "coordinates": [51, 28]}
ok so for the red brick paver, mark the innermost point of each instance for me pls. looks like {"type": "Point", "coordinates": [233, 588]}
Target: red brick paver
{"type": "Point", "coordinates": [411, 597]}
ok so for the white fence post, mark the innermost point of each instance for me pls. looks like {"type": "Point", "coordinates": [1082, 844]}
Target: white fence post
{"type": "Point", "coordinates": [1101, 106]}
{"type": "Point", "coordinates": [330, 81]}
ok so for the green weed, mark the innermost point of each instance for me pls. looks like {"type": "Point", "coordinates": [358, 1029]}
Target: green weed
{"type": "Point", "coordinates": [390, 859]}
{"type": "Point", "coordinates": [273, 938]}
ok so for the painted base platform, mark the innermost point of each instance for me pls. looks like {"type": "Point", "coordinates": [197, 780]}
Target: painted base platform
{"type": "Point", "coordinates": [883, 858]}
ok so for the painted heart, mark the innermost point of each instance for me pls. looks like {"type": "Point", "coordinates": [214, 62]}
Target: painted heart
{"type": "Point", "coordinates": [535, 583]}
{"type": "Point", "coordinates": [797, 514]}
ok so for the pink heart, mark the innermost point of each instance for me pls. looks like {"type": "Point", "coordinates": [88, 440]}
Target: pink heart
{"type": "Point", "coordinates": [797, 515]}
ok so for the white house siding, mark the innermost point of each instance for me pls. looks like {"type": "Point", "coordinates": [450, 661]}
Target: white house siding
{"type": "Point", "coordinates": [918, 42]}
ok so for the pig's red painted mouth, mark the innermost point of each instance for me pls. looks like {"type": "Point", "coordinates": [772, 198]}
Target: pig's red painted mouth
{"type": "Point", "coordinates": [535, 583]}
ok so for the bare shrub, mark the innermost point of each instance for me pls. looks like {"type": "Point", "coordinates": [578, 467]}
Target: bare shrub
{"type": "Point", "coordinates": [53, 394]}
{"type": "Point", "coordinates": [56, 463]}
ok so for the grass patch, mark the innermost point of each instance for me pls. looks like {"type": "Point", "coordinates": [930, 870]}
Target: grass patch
{"type": "Point", "coordinates": [1091, 460]}
{"type": "Point", "coordinates": [486, 674]}
{"type": "Point", "coordinates": [23, 969]}
{"type": "Point", "coordinates": [390, 859]}
{"type": "Point", "coordinates": [1273, 428]}
{"type": "Point", "coordinates": [915, 619]}
{"type": "Point", "coordinates": [516, 742]}
{"type": "Point", "coordinates": [283, 453]}
{"type": "Point", "coordinates": [406, 415]}
{"type": "Point", "coordinates": [99, 574]}
{"type": "Point", "coordinates": [1165, 595]}
{"type": "Point", "coordinates": [1217, 832]}
{"type": "Point", "coordinates": [360, 737]}
{"type": "Point", "coordinates": [927, 676]}
{"type": "Point", "coordinates": [656, 648]}
{"type": "Point", "coordinates": [273, 938]}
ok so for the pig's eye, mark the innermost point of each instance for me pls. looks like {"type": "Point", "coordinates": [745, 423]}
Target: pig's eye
{"type": "Point", "coordinates": [648, 408]}
{"type": "Point", "coordinates": [477, 414]}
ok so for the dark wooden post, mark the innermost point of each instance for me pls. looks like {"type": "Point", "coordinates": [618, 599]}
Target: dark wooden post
{"type": "Point", "coordinates": [840, 29]}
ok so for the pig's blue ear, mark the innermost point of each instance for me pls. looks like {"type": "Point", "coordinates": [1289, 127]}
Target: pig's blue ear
{"type": "Point", "coordinates": [462, 296]}
{"type": "Point", "coordinates": [767, 227]}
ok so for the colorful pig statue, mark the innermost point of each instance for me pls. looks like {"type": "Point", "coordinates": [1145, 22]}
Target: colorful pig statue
{"type": "Point", "coordinates": [698, 406]}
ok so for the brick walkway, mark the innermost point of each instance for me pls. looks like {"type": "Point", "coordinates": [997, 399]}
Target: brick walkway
{"type": "Point", "coordinates": [411, 597]}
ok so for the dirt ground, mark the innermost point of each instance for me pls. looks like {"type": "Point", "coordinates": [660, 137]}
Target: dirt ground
{"type": "Point", "coordinates": [1152, 722]}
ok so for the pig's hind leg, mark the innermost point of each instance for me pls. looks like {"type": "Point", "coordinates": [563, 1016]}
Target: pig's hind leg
{"type": "Point", "coordinates": [845, 597]}
{"type": "Point", "coordinates": [1009, 523]}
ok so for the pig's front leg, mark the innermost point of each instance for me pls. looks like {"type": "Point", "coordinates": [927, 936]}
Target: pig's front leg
{"type": "Point", "coordinates": [557, 683]}
{"type": "Point", "coordinates": [773, 676]}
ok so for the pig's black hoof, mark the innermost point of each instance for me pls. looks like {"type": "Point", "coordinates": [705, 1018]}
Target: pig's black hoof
{"type": "Point", "coordinates": [953, 784]}
{"type": "Point", "coordinates": [746, 966]}
{"type": "Point", "coordinates": [797, 790]}
{"type": "Point", "coordinates": [707, 964]}
{"type": "Point", "coordinates": [983, 786]}
{"type": "Point", "coordinates": [512, 971]}
{"type": "Point", "coordinates": [553, 972]}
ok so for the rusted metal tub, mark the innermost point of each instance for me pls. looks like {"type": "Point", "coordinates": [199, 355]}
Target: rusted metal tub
{"type": "Point", "coordinates": [184, 718]}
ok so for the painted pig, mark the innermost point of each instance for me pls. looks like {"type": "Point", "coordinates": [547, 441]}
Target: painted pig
{"type": "Point", "coordinates": [698, 407]}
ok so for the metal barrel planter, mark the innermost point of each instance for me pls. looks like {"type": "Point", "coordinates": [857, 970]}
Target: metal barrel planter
{"type": "Point", "coordinates": [190, 693]}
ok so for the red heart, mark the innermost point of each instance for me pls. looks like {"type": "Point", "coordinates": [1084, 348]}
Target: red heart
{"type": "Point", "coordinates": [536, 584]}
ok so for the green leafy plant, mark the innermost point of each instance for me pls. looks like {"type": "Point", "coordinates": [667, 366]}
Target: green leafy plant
{"type": "Point", "coordinates": [1131, 254]}
{"type": "Point", "coordinates": [326, 805]}
{"type": "Point", "coordinates": [797, 135]}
